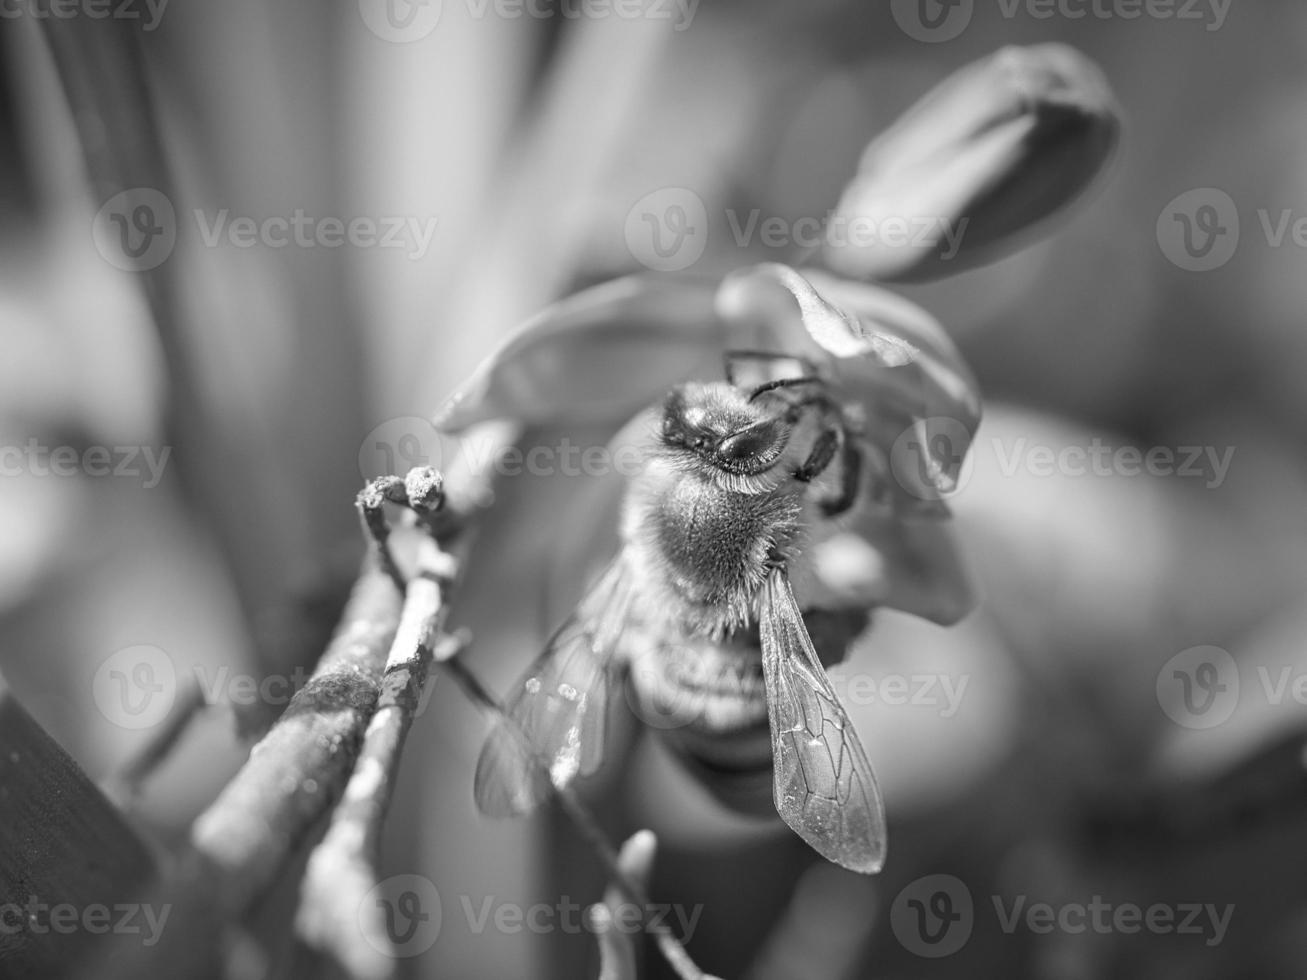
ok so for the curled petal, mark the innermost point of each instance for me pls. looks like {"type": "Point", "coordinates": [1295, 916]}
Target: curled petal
{"type": "Point", "coordinates": [879, 559]}
{"type": "Point", "coordinates": [996, 147]}
{"type": "Point", "coordinates": [920, 403]}
{"type": "Point", "coordinates": [598, 356]}
{"type": "Point", "coordinates": [924, 568]}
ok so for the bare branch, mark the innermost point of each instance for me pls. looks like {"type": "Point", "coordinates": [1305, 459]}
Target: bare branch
{"type": "Point", "coordinates": [343, 868]}
{"type": "Point", "coordinates": [297, 771]}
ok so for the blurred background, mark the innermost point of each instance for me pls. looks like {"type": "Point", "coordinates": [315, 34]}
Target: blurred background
{"type": "Point", "coordinates": [503, 148]}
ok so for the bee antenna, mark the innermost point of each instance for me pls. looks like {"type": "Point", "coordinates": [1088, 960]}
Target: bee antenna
{"type": "Point", "coordinates": [782, 383]}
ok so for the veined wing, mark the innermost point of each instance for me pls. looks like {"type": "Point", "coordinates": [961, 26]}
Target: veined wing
{"type": "Point", "coordinates": [555, 724]}
{"type": "Point", "coordinates": [823, 785]}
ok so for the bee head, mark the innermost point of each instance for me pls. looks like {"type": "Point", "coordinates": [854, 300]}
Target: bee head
{"type": "Point", "coordinates": [719, 426]}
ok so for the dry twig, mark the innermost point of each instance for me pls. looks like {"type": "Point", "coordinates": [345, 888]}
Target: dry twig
{"type": "Point", "coordinates": [297, 771]}
{"type": "Point", "coordinates": [342, 870]}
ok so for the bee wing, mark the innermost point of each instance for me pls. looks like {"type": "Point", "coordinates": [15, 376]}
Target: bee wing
{"type": "Point", "coordinates": [823, 784]}
{"type": "Point", "coordinates": [555, 724]}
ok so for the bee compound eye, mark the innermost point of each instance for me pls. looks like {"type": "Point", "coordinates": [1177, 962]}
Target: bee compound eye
{"type": "Point", "coordinates": [761, 443]}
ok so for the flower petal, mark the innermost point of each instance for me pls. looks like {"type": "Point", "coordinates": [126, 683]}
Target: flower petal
{"type": "Point", "coordinates": [889, 356]}
{"type": "Point", "coordinates": [924, 569]}
{"type": "Point", "coordinates": [598, 356]}
{"type": "Point", "coordinates": [994, 148]}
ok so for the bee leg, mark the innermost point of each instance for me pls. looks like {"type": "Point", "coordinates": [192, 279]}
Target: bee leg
{"type": "Point", "coordinates": [823, 451]}
{"type": "Point", "coordinates": [785, 383]}
{"type": "Point", "coordinates": [850, 481]}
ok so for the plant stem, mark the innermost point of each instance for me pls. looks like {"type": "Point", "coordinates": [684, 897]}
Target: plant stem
{"type": "Point", "coordinates": [672, 949]}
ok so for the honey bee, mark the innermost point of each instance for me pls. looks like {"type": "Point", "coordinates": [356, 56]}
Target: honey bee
{"type": "Point", "coordinates": [713, 528]}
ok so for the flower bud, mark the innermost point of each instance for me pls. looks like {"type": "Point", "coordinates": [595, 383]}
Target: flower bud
{"type": "Point", "coordinates": [993, 149]}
